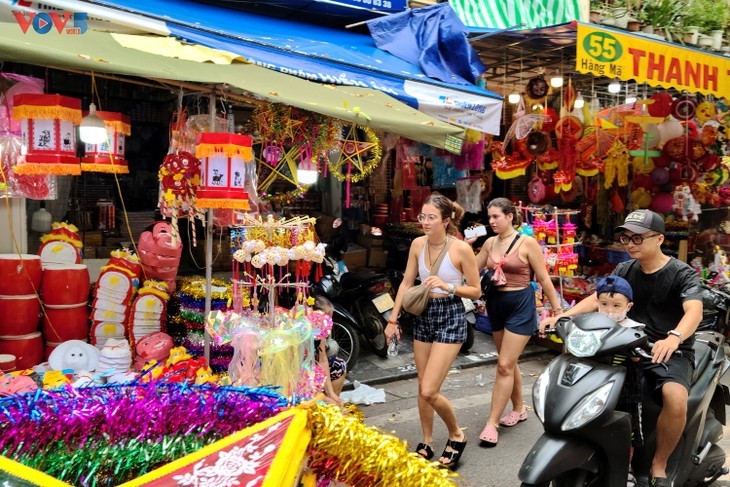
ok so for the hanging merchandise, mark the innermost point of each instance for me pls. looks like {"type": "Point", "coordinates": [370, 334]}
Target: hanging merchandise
{"type": "Point", "coordinates": [179, 176]}
{"type": "Point", "coordinates": [472, 152]}
{"type": "Point", "coordinates": [684, 108]}
{"type": "Point", "coordinates": [48, 134]}
{"type": "Point", "coordinates": [222, 168]}
{"type": "Point", "coordinates": [350, 166]}
{"type": "Point", "coordinates": [108, 156]}
{"type": "Point", "coordinates": [661, 105]}
{"type": "Point", "coordinates": [705, 112]}
{"type": "Point", "coordinates": [468, 193]}
{"type": "Point", "coordinates": [616, 165]}
{"type": "Point", "coordinates": [444, 172]}
{"type": "Point", "coordinates": [149, 310]}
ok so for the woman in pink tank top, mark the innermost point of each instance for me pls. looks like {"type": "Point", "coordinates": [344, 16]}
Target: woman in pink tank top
{"type": "Point", "coordinates": [512, 309]}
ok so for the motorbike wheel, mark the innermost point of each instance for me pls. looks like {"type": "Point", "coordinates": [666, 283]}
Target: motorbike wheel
{"type": "Point", "coordinates": [371, 318]}
{"type": "Point", "coordinates": [469, 339]}
{"type": "Point", "coordinates": [348, 342]}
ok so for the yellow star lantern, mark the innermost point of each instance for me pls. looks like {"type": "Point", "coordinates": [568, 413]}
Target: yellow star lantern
{"type": "Point", "coordinates": [352, 152]}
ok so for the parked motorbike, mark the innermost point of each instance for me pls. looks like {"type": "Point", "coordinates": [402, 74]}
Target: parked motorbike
{"type": "Point", "coordinates": [587, 441]}
{"type": "Point", "coordinates": [406, 319]}
{"type": "Point", "coordinates": [362, 303]}
{"type": "Point", "coordinates": [715, 308]}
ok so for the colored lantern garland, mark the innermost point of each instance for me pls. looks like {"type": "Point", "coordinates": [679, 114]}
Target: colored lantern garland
{"type": "Point", "coordinates": [223, 157]}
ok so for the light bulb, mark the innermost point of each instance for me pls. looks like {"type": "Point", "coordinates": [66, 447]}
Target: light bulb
{"type": "Point", "coordinates": [556, 81]}
{"type": "Point", "coordinates": [514, 98]}
{"type": "Point", "coordinates": [630, 99]}
{"type": "Point", "coordinates": [92, 129]}
{"type": "Point", "coordinates": [579, 101]}
{"type": "Point", "coordinates": [307, 173]}
{"type": "Point", "coordinates": [614, 87]}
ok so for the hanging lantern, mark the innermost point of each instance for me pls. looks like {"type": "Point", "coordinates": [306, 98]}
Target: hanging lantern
{"type": "Point", "coordinates": [222, 169]}
{"type": "Point", "coordinates": [108, 156]}
{"type": "Point", "coordinates": [48, 133]}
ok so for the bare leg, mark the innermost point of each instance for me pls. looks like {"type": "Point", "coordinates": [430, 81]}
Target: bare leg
{"type": "Point", "coordinates": [437, 366]}
{"type": "Point", "coordinates": [669, 426]}
{"type": "Point", "coordinates": [421, 353]}
{"type": "Point", "coordinates": [338, 384]}
{"type": "Point", "coordinates": [516, 396]}
{"type": "Point", "coordinates": [511, 348]}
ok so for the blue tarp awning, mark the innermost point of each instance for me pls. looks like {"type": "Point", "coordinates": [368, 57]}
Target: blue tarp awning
{"type": "Point", "coordinates": [319, 54]}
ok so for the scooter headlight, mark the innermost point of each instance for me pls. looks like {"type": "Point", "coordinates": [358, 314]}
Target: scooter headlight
{"type": "Point", "coordinates": [539, 392]}
{"type": "Point", "coordinates": [584, 343]}
{"type": "Point", "coordinates": [589, 408]}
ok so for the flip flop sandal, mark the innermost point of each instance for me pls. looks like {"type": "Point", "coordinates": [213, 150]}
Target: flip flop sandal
{"type": "Point", "coordinates": [513, 417]}
{"type": "Point", "coordinates": [490, 435]}
{"type": "Point", "coordinates": [423, 447]}
{"type": "Point", "coordinates": [660, 482]}
{"type": "Point", "coordinates": [453, 456]}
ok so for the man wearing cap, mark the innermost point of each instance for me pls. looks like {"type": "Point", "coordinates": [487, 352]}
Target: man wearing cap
{"type": "Point", "coordinates": [667, 299]}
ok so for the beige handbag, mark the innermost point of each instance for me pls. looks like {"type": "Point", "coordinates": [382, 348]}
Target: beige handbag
{"type": "Point", "coordinates": [415, 299]}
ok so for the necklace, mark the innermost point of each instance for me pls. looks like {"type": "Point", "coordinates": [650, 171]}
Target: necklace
{"type": "Point", "coordinates": [437, 245]}
{"type": "Point", "coordinates": [508, 236]}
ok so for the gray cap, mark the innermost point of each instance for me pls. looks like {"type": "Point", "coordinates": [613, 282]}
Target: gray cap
{"type": "Point", "coordinates": [642, 221]}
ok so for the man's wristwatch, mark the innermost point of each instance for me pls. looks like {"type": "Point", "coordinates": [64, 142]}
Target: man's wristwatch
{"type": "Point", "coordinates": [676, 334]}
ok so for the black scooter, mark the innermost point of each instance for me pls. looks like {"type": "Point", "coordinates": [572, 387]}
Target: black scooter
{"type": "Point", "coordinates": [586, 440]}
{"type": "Point", "coordinates": [362, 304]}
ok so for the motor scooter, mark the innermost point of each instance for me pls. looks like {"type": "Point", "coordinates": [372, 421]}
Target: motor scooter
{"type": "Point", "coordinates": [587, 441]}
{"type": "Point", "coordinates": [362, 303]}
{"type": "Point", "coordinates": [715, 308]}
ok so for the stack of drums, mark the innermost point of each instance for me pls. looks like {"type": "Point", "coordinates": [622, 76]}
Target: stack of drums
{"type": "Point", "coordinates": [21, 345]}
{"type": "Point", "coordinates": [380, 219]}
{"type": "Point", "coordinates": [65, 292]}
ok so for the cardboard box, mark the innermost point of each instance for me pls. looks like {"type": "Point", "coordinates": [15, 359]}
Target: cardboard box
{"type": "Point", "coordinates": [377, 257]}
{"type": "Point", "coordinates": [355, 257]}
{"type": "Point", "coordinates": [369, 241]}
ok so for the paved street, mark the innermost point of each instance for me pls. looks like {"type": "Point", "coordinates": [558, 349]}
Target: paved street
{"type": "Point", "coordinates": [469, 389]}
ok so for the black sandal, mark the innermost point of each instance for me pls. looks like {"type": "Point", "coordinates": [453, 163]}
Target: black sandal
{"type": "Point", "coordinates": [660, 482]}
{"type": "Point", "coordinates": [423, 447]}
{"type": "Point", "coordinates": [453, 456]}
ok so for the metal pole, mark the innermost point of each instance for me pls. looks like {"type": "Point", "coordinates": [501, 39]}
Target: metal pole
{"type": "Point", "coordinates": [208, 249]}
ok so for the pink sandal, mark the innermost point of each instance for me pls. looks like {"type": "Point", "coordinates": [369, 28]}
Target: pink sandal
{"type": "Point", "coordinates": [490, 435]}
{"type": "Point", "coordinates": [513, 417]}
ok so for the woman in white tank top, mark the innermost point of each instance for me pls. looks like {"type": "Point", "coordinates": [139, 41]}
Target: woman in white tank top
{"type": "Point", "coordinates": [441, 329]}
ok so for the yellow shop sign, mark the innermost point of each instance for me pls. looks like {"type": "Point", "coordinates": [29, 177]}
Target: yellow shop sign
{"type": "Point", "coordinates": [605, 52]}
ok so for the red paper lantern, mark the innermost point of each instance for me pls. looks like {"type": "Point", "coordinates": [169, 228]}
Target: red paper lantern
{"type": "Point", "coordinates": [108, 157]}
{"type": "Point", "coordinates": [223, 157]}
{"type": "Point", "coordinates": [48, 133]}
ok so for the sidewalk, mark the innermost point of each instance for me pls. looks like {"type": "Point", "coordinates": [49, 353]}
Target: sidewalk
{"type": "Point", "coordinates": [371, 369]}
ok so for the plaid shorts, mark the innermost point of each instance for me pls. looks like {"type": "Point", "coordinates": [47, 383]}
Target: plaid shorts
{"type": "Point", "coordinates": [443, 321]}
{"type": "Point", "coordinates": [338, 367]}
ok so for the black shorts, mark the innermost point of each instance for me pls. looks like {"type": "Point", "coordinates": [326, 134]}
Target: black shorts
{"type": "Point", "coordinates": [443, 321]}
{"type": "Point", "coordinates": [514, 310]}
{"type": "Point", "coordinates": [678, 369]}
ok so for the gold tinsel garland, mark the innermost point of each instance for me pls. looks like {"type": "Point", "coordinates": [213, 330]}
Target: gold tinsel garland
{"type": "Point", "coordinates": [345, 450]}
{"type": "Point", "coordinates": [285, 198]}
{"type": "Point", "coordinates": [376, 153]}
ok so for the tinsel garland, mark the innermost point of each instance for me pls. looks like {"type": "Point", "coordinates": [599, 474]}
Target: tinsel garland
{"type": "Point", "coordinates": [107, 435]}
{"type": "Point", "coordinates": [345, 450]}
{"type": "Point", "coordinates": [285, 198]}
{"type": "Point", "coordinates": [376, 153]}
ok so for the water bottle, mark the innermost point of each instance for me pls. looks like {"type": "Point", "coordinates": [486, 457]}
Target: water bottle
{"type": "Point", "coordinates": [393, 347]}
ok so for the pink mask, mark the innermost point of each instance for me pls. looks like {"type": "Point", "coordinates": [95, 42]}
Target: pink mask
{"type": "Point", "coordinates": [160, 254]}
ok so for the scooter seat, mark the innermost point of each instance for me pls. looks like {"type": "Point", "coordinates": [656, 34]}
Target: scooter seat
{"type": "Point", "coordinates": [350, 280]}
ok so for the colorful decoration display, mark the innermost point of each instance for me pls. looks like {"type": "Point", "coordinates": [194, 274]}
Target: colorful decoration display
{"type": "Point", "coordinates": [160, 250]}
{"type": "Point", "coordinates": [350, 166]}
{"type": "Point", "coordinates": [62, 245]}
{"type": "Point", "coordinates": [108, 157]}
{"type": "Point", "coordinates": [48, 134]}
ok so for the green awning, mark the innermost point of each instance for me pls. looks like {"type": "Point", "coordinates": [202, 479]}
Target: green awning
{"type": "Point", "coordinates": [529, 14]}
{"type": "Point", "coordinates": [98, 51]}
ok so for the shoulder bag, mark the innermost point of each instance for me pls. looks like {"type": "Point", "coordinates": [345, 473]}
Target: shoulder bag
{"type": "Point", "coordinates": [495, 277]}
{"type": "Point", "coordinates": [415, 299]}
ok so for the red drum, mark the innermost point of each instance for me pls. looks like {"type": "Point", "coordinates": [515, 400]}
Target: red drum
{"type": "Point", "coordinates": [7, 363]}
{"type": "Point", "coordinates": [20, 274]}
{"type": "Point", "coordinates": [28, 349]}
{"type": "Point", "coordinates": [69, 322]}
{"type": "Point", "coordinates": [19, 315]}
{"type": "Point", "coordinates": [65, 284]}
